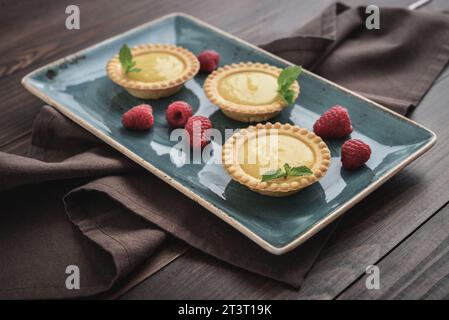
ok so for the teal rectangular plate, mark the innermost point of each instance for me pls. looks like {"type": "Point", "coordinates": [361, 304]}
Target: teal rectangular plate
{"type": "Point", "coordinates": [79, 88]}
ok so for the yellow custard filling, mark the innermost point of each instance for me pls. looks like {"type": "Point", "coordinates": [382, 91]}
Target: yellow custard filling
{"type": "Point", "coordinates": [270, 152]}
{"type": "Point", "coordinates": [249, 88]}
{"type": "Point", "coordinates": [156, 66]}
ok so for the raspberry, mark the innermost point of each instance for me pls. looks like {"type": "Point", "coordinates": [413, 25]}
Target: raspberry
{"type": "Point", "coordinates": [196, 128]}
{"type": "Point", "coordinates": [139, 117]}
{"type": "Point", "coordinates": [334, 123]}
{"type": "Point", "coordinates": [178, 113]}
{"type": "Point", "coordinates": [354, 153]}
{"type": "Point", "coordinates": [209, 60]}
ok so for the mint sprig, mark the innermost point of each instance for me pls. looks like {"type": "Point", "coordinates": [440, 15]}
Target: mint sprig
{"type": "Point", "coordinates": [273, 174]}
{"type": "Point", "coordinates": [285, 172]}
{"type": "Point", "coordinates": [126, 60]}
{"type": "Point", "coordinates": [285, 81]}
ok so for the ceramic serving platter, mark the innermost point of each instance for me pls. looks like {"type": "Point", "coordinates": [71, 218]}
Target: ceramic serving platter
{"type": "Point", "coordinates": [79, 88]}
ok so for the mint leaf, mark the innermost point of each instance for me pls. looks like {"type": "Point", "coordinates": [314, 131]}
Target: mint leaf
{"type": "Point", "coordinates": [273, 174]}
{"type": "Point", "coordinates": [135, 70]}
{"type": "Point", "coordinates": [124, 55]}
{"type": "Point", "coordinates": [288, 76]}
{"type": "Point", "coordinates": [286, 172]}
{"type": "Point", "coordinates": [285, 81]}
{"type": "Point", "coordinates": [126, 60]}
{"type": "Point", "coordinates": [289, 96]}
{"type": "Point", "coordinates": [299, 171]}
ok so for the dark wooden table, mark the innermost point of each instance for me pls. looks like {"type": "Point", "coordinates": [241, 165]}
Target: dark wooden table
{"type": "Point", "coordinates": [402, 228]}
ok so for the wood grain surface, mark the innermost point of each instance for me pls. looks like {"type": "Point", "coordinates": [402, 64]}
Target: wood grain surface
{"type": "Point", "coordinates": [402, 227]}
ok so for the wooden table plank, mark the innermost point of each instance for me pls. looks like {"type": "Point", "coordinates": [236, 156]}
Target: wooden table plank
{"type": "Point", "coordinates": [196, 275]}
{"type": "Point", "coordinates": [416, 269]}
{"type": "Point", "coordinates": [18, 146]}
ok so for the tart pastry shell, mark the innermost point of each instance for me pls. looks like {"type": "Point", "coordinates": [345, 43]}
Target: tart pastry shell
{"type": "Point", "coordinates": [278, 187]}
{"type": "Point", "coordinates": [159, 89]}
{"type": "Point", "coordinates": [240, 112]}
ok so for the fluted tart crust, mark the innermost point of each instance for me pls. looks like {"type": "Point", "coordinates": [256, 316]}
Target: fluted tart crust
{"type": "Point", "coordinates": [318, 158]}
{"type": "Point", "coordinates": [155, 89]}
{"type": "Point", "coordinates": [246, 111]}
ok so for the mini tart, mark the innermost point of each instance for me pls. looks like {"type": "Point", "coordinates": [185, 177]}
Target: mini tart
{"type": "Point", "coordinates": [295, 146]}
{"type": "Point", "coordinates": [247, 92]}
{"type": "Point", "coordinates": [175, 66]}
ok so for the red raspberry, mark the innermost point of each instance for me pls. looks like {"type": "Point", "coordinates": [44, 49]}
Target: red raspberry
{"type": "Point", "coordinates": [354, 153]}
{"type": "Point", "coordinates": [334, 123]}
{"type": "Point", "coordinates": [196, 128]}
{"type": "Point", "coordinates": [139, 117]}
{"type": "Point", "coordinates": [209, 60]}
{"type": "Point", "coordinates": [178, 113]}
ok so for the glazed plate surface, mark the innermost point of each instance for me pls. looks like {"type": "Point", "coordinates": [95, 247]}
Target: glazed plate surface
{"type": "Point", "coordinates": [79, 88]}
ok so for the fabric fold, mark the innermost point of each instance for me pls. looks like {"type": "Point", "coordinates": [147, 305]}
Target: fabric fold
{"type": "Point", "coordinates": [175, 213]}
{"type": "Point", "coordinates": [394, 65]}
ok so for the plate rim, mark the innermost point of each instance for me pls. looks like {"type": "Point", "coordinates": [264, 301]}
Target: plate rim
{"type": "Point", "coordinates": [304, 236]}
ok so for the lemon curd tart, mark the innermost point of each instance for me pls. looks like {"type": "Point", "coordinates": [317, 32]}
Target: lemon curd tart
{"type": "Point", "coordinates": [275, 159]}
{"type": "Point", "coordinates": [247, 92]}
{"type": "Point", "coordinates": [157, 70]}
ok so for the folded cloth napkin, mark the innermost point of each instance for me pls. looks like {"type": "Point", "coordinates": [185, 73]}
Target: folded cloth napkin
{"type": "Point", "coordinates": [126, 211]}
{"type": "Point", "coordinates": [394, 65]}
{"type": "Point", "coordinates": [75, 201]}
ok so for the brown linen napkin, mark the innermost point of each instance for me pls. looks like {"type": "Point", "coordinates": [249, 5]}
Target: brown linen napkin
{"type": "Point", "coordinates": [124, 209]}
{"type": "Point", "coordinates": [123, 214]}
{"type": "Point", "coordinates": [394, 65]}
